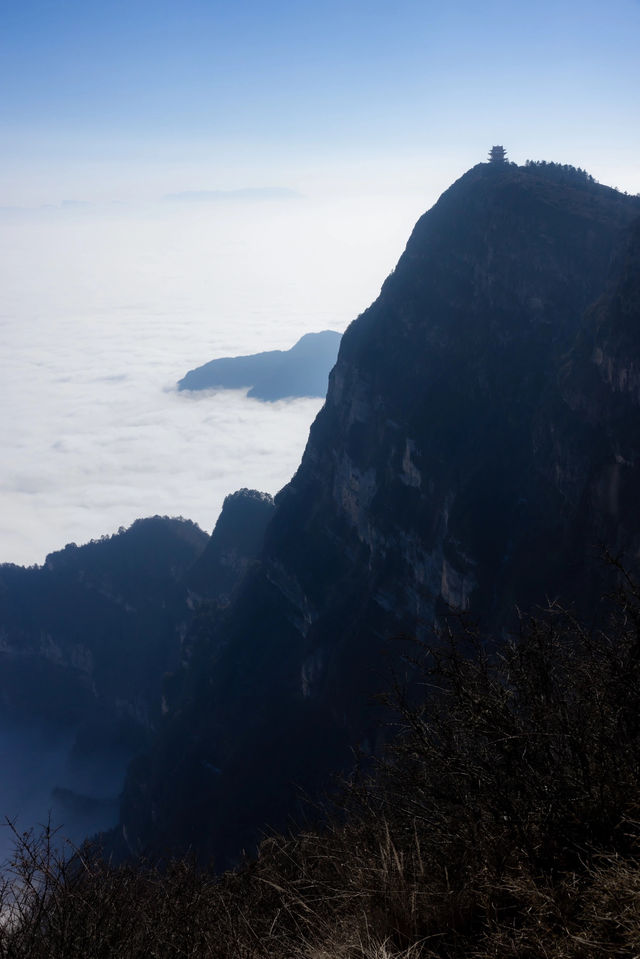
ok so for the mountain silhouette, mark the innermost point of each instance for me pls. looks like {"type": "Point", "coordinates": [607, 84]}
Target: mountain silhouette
{"type": "Point", "coordinates": [274, 375]}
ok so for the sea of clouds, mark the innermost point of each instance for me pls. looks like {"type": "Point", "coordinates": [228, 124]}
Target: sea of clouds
{"type": "Point", "coordinates": [103, 309]}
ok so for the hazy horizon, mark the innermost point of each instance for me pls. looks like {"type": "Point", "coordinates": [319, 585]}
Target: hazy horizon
{"type": "Point", "coordinates": [131, 101]}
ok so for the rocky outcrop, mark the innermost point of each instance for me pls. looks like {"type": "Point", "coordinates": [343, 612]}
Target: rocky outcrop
{"type": "Point", "coordinates": [462, 458]}
{"type": "Point", "coordinates": [234, 545]}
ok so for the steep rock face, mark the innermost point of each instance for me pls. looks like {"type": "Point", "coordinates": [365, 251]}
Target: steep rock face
{"type": "Point", "coordinates": [453, 464]}
{"type": "Point", "coordinates": [589, 441]}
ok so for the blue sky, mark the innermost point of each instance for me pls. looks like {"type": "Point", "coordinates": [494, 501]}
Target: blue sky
{"type": "Point", "coordinates": [119, 99]}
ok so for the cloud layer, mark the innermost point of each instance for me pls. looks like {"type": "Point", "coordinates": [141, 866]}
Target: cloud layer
{"type": "Point", "coordinates": [103, 314]}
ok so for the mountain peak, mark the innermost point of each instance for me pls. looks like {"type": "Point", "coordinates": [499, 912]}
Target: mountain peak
{"type": "Point", "coordinates": [451, 466]}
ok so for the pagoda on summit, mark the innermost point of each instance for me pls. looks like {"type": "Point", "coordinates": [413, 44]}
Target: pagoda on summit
{"type": "Point", "coordinates": [497, 154]}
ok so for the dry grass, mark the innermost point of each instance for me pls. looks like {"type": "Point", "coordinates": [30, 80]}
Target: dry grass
{"type": "Point", "coordinates": [503, 825]}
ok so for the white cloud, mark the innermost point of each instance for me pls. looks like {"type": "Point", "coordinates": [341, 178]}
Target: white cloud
{"type": "Point", "coordinates": [102, 315]}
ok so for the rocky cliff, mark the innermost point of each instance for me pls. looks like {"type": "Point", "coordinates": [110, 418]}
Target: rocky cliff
{"type": "Point", "coordinates": [234, 544]}
{"type": "Point", "coordinates": [479, 438]}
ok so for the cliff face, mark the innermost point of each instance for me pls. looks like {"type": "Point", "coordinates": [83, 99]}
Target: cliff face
{"type": "Point", "coordinates": [589, 444]}
{"type": "Point", "coordinates": [479, 433]}
{"type": "Point", "coordinates": [443, 386]}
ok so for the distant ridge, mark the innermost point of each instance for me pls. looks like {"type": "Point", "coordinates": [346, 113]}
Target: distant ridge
{"type": "Point", "coordinates": [274, 375]}
{"type": "Point", "coordinates": [247, 193]}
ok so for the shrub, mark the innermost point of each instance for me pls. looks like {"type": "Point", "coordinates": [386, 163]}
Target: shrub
{"type": "Point", "coordinates": [502, 823]}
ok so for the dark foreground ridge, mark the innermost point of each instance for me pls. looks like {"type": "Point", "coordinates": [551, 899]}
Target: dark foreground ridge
{"type": "Point", "coordinates": [277, 374]}
{"type": "Point", "coordinates": [503, 824]}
